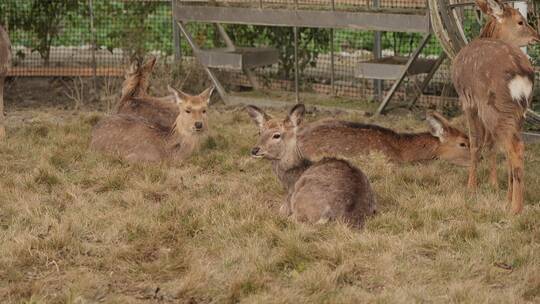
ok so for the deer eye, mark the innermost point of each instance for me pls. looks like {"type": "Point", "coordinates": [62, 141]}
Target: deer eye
{"type": "Point", "coordinates": [463, 145]}
{"type": "Point", "coordinates": [188, 111]}
{"type": "Point", "coordinates": [276, 136]}
{"type": "Point", "coordinates": [204, 111]}
{"type": "Point", "coordinates": [520, 23]}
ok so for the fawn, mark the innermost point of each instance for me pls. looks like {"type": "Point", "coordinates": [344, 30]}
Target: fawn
{"type": "Point", "coordinates": [5, 60]}
{"type": "Point", "coordinates": [137, 139]}
{"type": "Point", "coordinates": [494, 80]}
{"type": "Point", "coordinates": [343, 138]}
{"type": "Point", "coordinates": [136, 101]}
{"type": "Point", "coordinates": [319, 191]}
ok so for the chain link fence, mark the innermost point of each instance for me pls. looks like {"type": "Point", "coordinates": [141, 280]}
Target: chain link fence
{"type": "Point", "coordinates": [99, 37]}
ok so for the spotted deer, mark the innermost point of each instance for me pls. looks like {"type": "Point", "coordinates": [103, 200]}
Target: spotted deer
{"type": "Point", "coordinates": [5, 60]}
{"type": "Point", "coordinates": [494, 80]}
{"type": "Point", "coordinates": [135, 99]}
{"type": "Point", "coordinates": [347, 139]}
{"type": "Point", "coordinates": [139, 140]}
{"type": "Point", "coordinates": [329, 189]}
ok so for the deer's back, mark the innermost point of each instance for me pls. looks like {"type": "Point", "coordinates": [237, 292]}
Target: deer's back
{"type": "Point", "coordinates": [155, 110]}
{"type": "Point", "coordinates": [334, 188]}
{"type": "Point", "coordinates": [5, 52]}
{"type": "Point", "coordinates": [493, 78]}
{"type": "Point", "coordinates": [342, 138]}
{"type": "Point", "coordinates": [130, 137]}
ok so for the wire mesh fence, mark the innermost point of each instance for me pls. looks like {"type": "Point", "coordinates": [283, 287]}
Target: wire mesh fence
{"type": "Point", "coordinates": [99, 37]}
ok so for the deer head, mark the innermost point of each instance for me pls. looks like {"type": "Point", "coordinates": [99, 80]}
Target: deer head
{"type": "Point", "coordinates": [454, 144]}
{"type": "Point", "coordinates": [277, 138]}
{"type": "Point", "coordinates": [506, 23]}
{"type": "Point", "coordinates": [192, 116]}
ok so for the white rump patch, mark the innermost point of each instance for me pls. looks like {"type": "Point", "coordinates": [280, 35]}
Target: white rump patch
{"type": "Point", "coordinates": [520, 88]}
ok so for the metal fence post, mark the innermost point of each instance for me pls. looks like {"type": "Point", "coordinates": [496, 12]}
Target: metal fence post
{"type": "Point", "coordinates": [332, 64]}
{"type": "Point", "coordinates": [377, 54]}
{"type": "Point", "coordinates": [177, 42]}
{"type": "Point", "coordinates": [94, 46]}
{"type": "Point", "coordinates": [296, 74]}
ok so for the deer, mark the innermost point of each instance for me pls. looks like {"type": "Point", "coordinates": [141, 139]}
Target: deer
{"type": "Point", "coordinates": [5, 61]}
{"type": "Point", "coordinates": [136, 139]}
{"type": "Point", "coordinates": [136, 101]}
{"type": "Point", "coordinates": [349, 139]}
{"type": "Point", "coordinates": [494, 80]}
{"type": "Point", "coordinates": [317, 191]}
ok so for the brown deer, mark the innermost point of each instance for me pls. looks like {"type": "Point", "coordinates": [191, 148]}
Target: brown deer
{"type": "Point", "coordinates": [494, 81]}
{"type": "Point", "coordinates": [5, 60]}
{"type": "Point", "coordinates": [136, 101]}
{"type": "Point", "coordinates": [137, 139]}
{"type": "Point", "coordinates": [328, 189]}
{"type": "Point", "coordinates": [343, 138]}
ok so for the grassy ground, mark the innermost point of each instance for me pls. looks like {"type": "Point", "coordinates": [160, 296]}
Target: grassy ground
{"type": "Point", "coordinates": [78, 227]}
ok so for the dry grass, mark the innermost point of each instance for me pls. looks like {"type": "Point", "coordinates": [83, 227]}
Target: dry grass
{"type": "Point", "coordinates": [78, 227]}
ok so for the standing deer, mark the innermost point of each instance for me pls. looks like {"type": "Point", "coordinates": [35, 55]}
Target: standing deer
{"type": "Point", "coordinates": [343, 138]}
{"type": "Point", "coordinates": [136, 101]}
{"type": "Point", "coordinates": [137, 139]}
{"type": "Point", "coordinates": [5, 60]}
{"type": "Point", "coordinates": [494, 80]}
{"type": "Point", "coordinates": [319, 191]}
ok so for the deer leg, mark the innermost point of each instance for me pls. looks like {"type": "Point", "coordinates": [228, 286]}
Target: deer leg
{"type": "Point", "coordinates": [2, 118]}
{"type": "Point", "coordinates": [493, 169]}
{"type": "Point", "coordinates": [510, 182]}
{"type": "Point", "coordinates": [516, 150]}
{"type": "Point", "coordinates": [475, 131]}
{"type": "Point", "coordinates": [492, 152]}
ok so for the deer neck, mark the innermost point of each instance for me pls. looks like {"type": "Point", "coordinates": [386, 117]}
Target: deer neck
{"type": "Point", "coordinates": [418, 147]}
{"type": "Point", "coordinates": [291, 166]}
{"type": "Point", "coordinates": [181, 143]}
{"type": "Point", "coordinates": [492, 30]}
{"type": "Point", "coordinates": [134, 87]}
{"type": "Point", "coordinates": [489, 30]}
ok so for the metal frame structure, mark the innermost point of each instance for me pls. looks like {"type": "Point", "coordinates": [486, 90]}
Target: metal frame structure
{"type": "Point", "coordinates": [416, 22]}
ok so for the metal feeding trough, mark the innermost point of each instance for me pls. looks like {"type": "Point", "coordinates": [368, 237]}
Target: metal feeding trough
{"type": "Point", "coordinates": [391, 68]}
{"type": "Point", "coordinates": [239, 58]}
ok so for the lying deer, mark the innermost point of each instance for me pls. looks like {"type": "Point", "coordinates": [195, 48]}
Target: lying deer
{"type": "Point", "coordinates": [319, 191]}
{"type": "Point", "coordinates": [137, 139]}
{"type": "Point", "coordinates": [494, 80]}
{"type": "Point", "coordinates": [136, 101]}
{"type": "Point", "coordinates": [5, 59]}
{"type": "Point", "coordinates": [343, 138]}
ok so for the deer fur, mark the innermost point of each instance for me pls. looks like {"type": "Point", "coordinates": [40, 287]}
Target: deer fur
{"type": "Point", "coordinates": [329, 189]}
{"type": "Point", "coordinates": [139, 140]}
{"type": "Point", "coordinates": [494, 81]}
{"type": "Point", "coordinates": [347, 139]}
{"type": "Point", "coordinates": [136, 101]}
{"type": "Point", "coordinates": [5, 61]}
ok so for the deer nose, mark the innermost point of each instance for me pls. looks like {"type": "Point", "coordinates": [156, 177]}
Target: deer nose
{"type": "Point", "coordinates": [255, 151]}
{"type": "Point", "coordinates": [198, 125]}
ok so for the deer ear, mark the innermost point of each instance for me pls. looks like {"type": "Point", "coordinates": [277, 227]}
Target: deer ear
{"type": "Point", "coordinates": [149, 65]}
{"type": "Point", "coordinates": [492, 8]}
{"type": "Point", "coordinates": [206, 94]}
{"type": "Point", "coordinates": [258, 116]}
{"type": "Point", "coordinates": [179, 96]}
{"type": "Point", "coordinates": [296, 115]}
{"type": "Point", "coordinates": [437, 124]}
